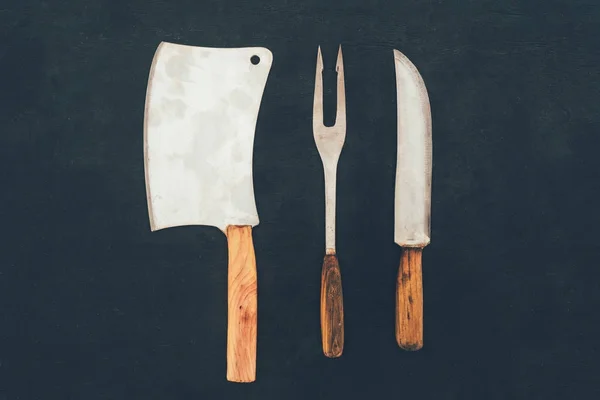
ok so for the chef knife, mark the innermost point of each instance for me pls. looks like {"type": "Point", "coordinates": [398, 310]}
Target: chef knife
{"type": "Point", "coordinates": [413, 198]}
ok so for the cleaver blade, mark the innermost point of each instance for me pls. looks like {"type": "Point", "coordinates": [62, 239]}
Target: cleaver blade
{"type": "Point", "coordinates": [412, 200]}
{"type": "Point", "coordinates": [202, 106]}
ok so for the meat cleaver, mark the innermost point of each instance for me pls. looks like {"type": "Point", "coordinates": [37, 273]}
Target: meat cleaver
{"type": "Point", "coordinates": [201, 110]}
{"type": "Point", "coordinates": [413, 199]}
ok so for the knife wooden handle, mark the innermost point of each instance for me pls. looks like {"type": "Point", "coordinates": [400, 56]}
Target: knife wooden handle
{"type": "Point", "coordinates": [242, 305]}
{"type": "Point", "coordinates": [332, 308]}
{"type": "Point", "coordinates": [409, 300]}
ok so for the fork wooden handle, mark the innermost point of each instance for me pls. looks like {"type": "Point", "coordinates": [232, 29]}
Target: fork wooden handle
{"type": "Point", "coordinates": [332, 307]}
{"type": "Point", "coordinates": [241, 305]}
{"type": "Point", "coordinates": [409, 300]}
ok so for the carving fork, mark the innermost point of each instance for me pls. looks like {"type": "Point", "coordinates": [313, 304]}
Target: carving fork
{"type": "Point", "coordinates": [329, 141]}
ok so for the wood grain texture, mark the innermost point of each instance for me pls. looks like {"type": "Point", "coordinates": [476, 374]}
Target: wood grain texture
{"type": "Point", "coordinates": [409, 300]}
{"type": "Point", "coordinates": [332, 307]}
{"type": "Point", "coordinates": [242, 305]}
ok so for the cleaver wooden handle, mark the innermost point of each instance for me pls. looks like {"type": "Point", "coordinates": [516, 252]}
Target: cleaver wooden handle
{"type": "Point", "coordinates": [332, 307]}
{"type": "Point", "coordinates": [409, 300]}
{"type": "Point", "coordinates": [241, 305]}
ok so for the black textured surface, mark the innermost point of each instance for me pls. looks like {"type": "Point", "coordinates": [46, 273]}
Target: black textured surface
{"type": "Point", "coordinates": [95, 306]}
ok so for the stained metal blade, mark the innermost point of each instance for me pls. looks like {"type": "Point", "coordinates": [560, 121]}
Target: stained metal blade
{"type": "Point", "coordinates": [413, 169]}
{"type": "Point", "coordinates": [201, 110]}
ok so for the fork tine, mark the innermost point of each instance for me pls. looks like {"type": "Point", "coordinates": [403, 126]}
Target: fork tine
{"type": "Point", "coordinates": [318, 100]}
{"type": "Point", "coordinates": [340, 115]}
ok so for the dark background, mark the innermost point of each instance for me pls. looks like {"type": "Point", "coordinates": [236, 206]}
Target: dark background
{"type": "Point", "coordinates": [95, 306]}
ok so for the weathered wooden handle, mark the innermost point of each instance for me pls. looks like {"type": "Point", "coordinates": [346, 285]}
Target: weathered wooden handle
{"type": "Point", "coordinates": [332, 308]}
{"type": "Point", "coordinates": [242, 305]}
{"type": "Point", "coordinates": [409, 300]}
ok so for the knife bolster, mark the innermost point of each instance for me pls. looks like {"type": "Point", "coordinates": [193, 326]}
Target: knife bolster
{"type": "Point", "coordinates": [242, 305]}
{"type": "Point", "coordinates": [409, 300]}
